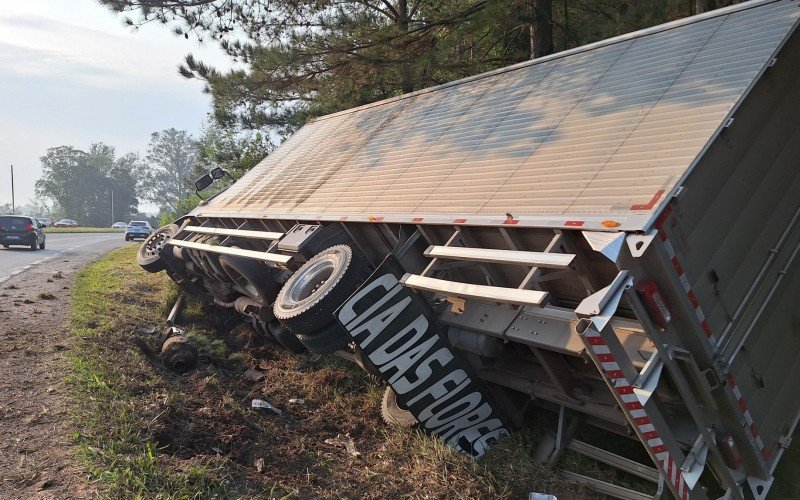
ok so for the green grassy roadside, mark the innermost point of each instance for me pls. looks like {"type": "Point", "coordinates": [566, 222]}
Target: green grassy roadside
{"type": "Point", "coordinates": [145, 432]}
{"type": "Point", "coordinates": [110, 375]}
{"type": "Point", "coordinates": [82, 230]}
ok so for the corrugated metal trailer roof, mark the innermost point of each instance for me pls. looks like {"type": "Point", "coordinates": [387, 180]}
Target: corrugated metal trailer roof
{"type": "Point", "coordinates": [600, 132]}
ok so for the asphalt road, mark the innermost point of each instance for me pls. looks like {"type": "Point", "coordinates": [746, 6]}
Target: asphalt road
{"type": "Point", "coordinates": [77, 246]}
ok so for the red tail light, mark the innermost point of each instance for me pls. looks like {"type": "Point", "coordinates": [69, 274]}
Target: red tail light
{"type": "Point", "coordinates": [730, 452]}
{"type": "Point", "coordinates": [29, 227]}
{"type": "Point", "coordinates": [654, 300]}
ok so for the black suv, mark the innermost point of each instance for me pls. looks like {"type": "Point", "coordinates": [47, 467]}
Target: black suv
{"type": "Point", "coordinates": [21, 230]}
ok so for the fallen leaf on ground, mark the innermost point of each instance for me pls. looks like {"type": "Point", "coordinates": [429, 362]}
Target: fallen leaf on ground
{"type": "Point", "coordinates": [253, 375]}
{"type": "Point", "coordinates": [347, 442]}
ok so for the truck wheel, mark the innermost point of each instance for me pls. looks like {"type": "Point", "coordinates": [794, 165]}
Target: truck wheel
{"type": "Point", "coordinates": [148, 255]}
{"type": "Point", "coordinates": [326, 341]}
{"type": "Point", "coordinates": [307, 301]}
{"type": "Point", "coordinates": [254, 278]}
{"type": "Point", "coordinates": [392, 413]}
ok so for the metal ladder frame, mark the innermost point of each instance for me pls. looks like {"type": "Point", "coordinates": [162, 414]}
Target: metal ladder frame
{"type": "Point", "coordinates": [606, 351]}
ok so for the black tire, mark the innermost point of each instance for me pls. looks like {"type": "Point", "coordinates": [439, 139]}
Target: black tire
{"type": "Point", "coordinates": [127, 239]}
{"type": "Point", "coordinates": [254, 278]}
{"type": "Point", "coordinates": [41, 245]}
{"type": "Point", "coordinates": [285, 338]}
{"type": "Point", "coordinates": [5, 246]}
{"type": "Point", "coordinates": [148, 255]}
{"type": "Point", "coordinates": [392, 413]}
{"type": "Point", "coordinates": [307, 301]}
{"type": "Point", "coordinates": [330, 339]}
{"type": "Point", "coordinates": [35, 246]}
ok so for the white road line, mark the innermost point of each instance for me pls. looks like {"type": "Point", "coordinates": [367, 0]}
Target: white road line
{"type": "Point", "coordinates": [41, 261]}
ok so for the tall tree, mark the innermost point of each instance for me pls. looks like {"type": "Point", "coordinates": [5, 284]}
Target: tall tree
{"type": "Point", "coordinates": [304, 58]}
{"type": "Point", "coordinates": [83, 183]}
{"type": "Point", "coordinates": [171, 158]}
{"type": "Point", "coordinates": [541, 27]}
{"type": "Point", "coordinates": [297, 59]}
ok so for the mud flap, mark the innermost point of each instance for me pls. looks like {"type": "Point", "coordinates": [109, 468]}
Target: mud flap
{"type": "Point", "coordinates": [398, 332]}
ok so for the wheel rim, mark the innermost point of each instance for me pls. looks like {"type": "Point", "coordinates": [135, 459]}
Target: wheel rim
{"type": "Point", "coordinates": [312, 280]}
{"type": "Point", "coordinates": [154, 244]}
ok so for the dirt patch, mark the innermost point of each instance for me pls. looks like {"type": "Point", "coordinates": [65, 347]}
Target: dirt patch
{"type": "Point", "coordinates": [36, 449]}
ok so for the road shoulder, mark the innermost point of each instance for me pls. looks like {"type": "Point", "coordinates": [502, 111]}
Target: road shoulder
{"type": "Point", "coordinates": [37, 458]}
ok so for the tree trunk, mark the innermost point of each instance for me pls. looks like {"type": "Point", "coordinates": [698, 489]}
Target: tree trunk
{"type": "Point", "coordinates": [701, 6]}
{"type": "Point", "coordinates": [541, 27]}
{"type": "Point", "coordinates": [403, 21]}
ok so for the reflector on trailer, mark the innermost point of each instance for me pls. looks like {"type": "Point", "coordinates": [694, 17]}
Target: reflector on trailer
{"type": "Point", "coordinates": [654, 300]}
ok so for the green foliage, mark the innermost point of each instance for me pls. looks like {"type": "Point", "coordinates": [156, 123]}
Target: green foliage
{"type": "Point", "coordinates": [82, 183]}
{"type": "Point", "coordinates": [235, 151]}
{"type": "Point", "coordinates": [180, 208]}
{"type": "Point", "coordinates": [298, 59]}
{"type": "Point", "coordinates": [167, 176]}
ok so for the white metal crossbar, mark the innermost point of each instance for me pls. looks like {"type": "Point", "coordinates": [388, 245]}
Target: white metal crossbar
{"type": "Point", "coordinates": [497, 256]}
{"type": "Point", "coordinates": [251, 254]}
{"type": "Point", "coordinates": [242, 233]}
{"type": "Point", "coordinates": [477, 292]}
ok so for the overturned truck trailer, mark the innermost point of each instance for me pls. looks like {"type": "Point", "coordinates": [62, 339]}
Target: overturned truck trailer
{"type": "Point", "coordinates": [610, 232]}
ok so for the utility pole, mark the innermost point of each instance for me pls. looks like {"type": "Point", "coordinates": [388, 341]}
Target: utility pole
{"type": "Point", "coordinates": [13, 205]}
{"type": "Point", "coordinates": [112, 206]}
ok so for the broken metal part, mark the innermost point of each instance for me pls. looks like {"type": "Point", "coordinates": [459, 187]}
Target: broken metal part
{"type": "Point", "coordinates": [176, 309]}
{"type": "Point", "coordinates": [179, 354]}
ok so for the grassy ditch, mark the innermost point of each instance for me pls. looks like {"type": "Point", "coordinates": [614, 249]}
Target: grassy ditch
{"type": "Point", "coordinates": [146, 432]}
{"type": "Point", "coordinates": [82, 230]}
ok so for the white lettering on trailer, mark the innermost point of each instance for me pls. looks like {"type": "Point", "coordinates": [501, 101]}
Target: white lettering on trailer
{"type": "Point", "coordinates": [443, 356]}
{"type": "Point", "coordinates": [447, 400]}
{"type": "Point", "coordinates": [388, 351]}
{"type": "Point", "coordinates": [348, 314]}
{"type": "Point", "coordinates": [406, 360]}
{"type": "Point", "coordinates": [380, 321]}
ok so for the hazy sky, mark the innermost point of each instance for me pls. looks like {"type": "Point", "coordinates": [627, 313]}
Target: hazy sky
{"type": "Point", "coordinates": [72, 74]}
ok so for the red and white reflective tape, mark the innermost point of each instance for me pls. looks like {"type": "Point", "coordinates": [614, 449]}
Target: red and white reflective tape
{"type": "Point", "coordinates": [636, 413]}
{"type": "Point", "coordinates": [687, 289]}
{"type": "Point", "coordinates": [659, 225]}
{"type": "Point", "coordinates": [751, 426]}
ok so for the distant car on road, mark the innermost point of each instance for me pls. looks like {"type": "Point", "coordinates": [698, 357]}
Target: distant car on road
{"type": "Point", "coordinates": [21, 230]}
{"type": "Point", "coordinates": [137, 229]}
{"type": "Point", "coordinates": [66, 223]}
{"type": "Point", "coordinates": [44, 221]}
{"type": "Point", "coordinates": [119, 225]}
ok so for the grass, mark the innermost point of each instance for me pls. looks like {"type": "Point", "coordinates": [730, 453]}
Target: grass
{"type": "Point", "coordinates": [145, 432]}
{"type": "Point", "coordinates": [116, 446]}
{"type": "Point", "coordinates": [82, 230]}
